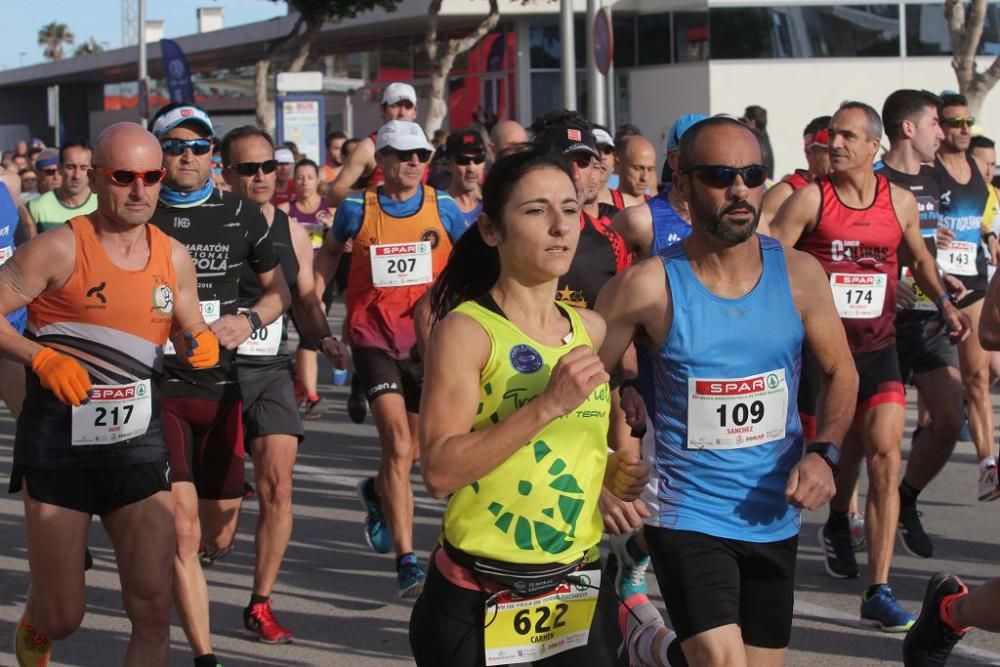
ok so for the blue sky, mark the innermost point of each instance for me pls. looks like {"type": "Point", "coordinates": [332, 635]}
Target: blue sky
{"type": "Point", "coordinates": [102, 20]}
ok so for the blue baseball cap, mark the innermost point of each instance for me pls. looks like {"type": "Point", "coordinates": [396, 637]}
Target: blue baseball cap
{"type": "Point", "coordinates": [682, 125]}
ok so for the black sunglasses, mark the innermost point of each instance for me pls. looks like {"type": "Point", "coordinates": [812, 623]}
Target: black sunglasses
{"type": "Point", "coordinates": [721, 176]}
{"type": "Point", "coordinates": [466, 160]}
{"type": "Point", "coordinates": [581, 160]}
{"type": "Point", "coordinates": [423, 155]}
{"type": "Point", "coordinates": [958, 121]}
{"type": "Point", "coordinates": [605, 149]}
{"type": "Point", "coordinates": [177, 147]}
{"type": "Point", "coordinates": [251, 168]}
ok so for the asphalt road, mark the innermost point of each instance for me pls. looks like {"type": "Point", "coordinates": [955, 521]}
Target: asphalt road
{"type": "Point", "coordinates": [340, 599]}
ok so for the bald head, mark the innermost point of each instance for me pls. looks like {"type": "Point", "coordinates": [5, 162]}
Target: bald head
{"type": "Point", "coordinates": [126, 159]}
{"type": "Point", "coordinates": [128, 146]}
{"type": "Point", "coordinates": [637, 168]}
{"type": "Point", "coordinates": [505, 134]}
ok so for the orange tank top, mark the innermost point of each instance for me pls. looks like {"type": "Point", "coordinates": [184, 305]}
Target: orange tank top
{"type": "Point", "coordinates": [113, 320]}
{"type": "Point", "coordinates": [394, 261]}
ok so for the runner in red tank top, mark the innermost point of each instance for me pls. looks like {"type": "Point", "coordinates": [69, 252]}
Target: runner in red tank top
{"type": "Point", "coordinates": [637, 172]}
{"type": "Point", "coordinates": [399, 102]}
{"type": "Point", "coordinates": [853, 222]}
{"type": "Point", "coordinates": [816, 138]}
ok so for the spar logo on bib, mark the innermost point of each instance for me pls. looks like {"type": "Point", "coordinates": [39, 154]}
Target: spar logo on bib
{"type": "Point", "coordinates": [525, 359]}
{"type": "Point", "coordinates": [751, 385]}
{"type": "Point", "coordinates": [120, 393]}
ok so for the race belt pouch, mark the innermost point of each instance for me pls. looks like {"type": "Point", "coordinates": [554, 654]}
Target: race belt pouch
{"type": "Point", "coordinates": [525, 580]}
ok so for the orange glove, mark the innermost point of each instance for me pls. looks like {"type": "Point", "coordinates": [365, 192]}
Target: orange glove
{"type": "Point", "coordinates": [62, 375]}
{"type": "Point", "coordinates": [201, 350]}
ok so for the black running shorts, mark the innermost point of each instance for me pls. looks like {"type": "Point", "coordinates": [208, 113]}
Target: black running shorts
{"type": "Point", "coordinates": [269, 406]}
{"type": "Point", "coordinates": [381, 374]}
{"type": "Point", "coordinates": [708, 582]}
{"type": "Point", "coordinates": [92, 490]}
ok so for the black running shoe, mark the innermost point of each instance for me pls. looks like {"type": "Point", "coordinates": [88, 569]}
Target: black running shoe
{"type": "Point", "coordinates": [357, 405]}
{"type": "Point", "coordinates": [915, 539]}
{"type": "Point", "coordinates": [838, 553]}
{"type": "Point", "coordinates": [929, 641]}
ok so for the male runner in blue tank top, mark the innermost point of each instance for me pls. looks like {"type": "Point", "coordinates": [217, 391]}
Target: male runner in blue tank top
{"type": "Point", "coordinates": [729, 443]}
{"type": "Point", "coordinates": [664, 219]}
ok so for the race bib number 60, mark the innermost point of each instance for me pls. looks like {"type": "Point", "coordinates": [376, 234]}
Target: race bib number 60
{"type": "Point", "coordinates": [734, 413]}
{"type": "Point", "coordinates": [402, 264]}
{"type": "Point", "coordinates": [522, 630]}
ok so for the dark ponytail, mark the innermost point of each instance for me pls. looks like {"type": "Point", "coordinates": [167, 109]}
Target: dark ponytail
{"type": "Point", "coordinates": [474, 267]}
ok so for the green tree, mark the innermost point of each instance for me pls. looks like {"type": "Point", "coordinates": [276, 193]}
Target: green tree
{"type": "Point", "coordinates": [52, 37]}
{"type": "Point", "coordinates": [965, 30]}
{"type": "Point", "coordinates": [311, 16]}
{"type": "Point", "coordinates": [88, 47]}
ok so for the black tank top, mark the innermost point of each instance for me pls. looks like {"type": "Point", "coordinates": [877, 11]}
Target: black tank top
{"type": "Point", "coordinates": [962, 207]}
{"type": "Point", "coordinates": [600, 254]}
{"type": "Point", "coordinates": [250, 293]}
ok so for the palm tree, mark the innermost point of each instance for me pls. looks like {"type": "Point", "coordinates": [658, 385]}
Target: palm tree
{"type": "Point", "coordinates": [52, 37]}
{"type": "Point", "coordinates": [88, 47]}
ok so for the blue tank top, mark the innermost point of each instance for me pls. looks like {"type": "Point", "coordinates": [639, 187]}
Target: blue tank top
{"type": "Point", "coordinates": [8, 225]}
{"type": "Point", "coordinates": [668, 227]}
{"type": "Point", "coordinates": [727, 426]}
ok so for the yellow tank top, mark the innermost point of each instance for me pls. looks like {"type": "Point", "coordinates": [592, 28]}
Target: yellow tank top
{"type": "Point", "coordinates": [540, 505]}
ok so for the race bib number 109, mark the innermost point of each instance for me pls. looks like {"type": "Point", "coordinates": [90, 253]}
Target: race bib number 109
{"type": "Point", "coordinates": [733, 413]}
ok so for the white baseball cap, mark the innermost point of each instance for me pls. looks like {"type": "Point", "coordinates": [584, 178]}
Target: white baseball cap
{"type": "Point", "coordinates": [284, 156]}
{"type": "Point", "coordinates": [397, 92]}
{"type": "Point", "coordinates": [182, 114]}
{"type": "Point", "coordinates": [404, 135]}
{"type": "Point", "coordinates": [603, 137]}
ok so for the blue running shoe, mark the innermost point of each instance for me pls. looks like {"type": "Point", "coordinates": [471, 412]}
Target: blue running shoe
{"type": "Point", "coordinates": [377, 533]}
{"type": "Point", "coordinates": [882, 611]}
{"type": "Point", "coordinates": [411, 577]}
{"type": "Point", "coordinates": [631, 576]}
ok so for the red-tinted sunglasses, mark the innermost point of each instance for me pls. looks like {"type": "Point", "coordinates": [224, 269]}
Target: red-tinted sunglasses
{"type": "Point", "coordinates": [125, 177]}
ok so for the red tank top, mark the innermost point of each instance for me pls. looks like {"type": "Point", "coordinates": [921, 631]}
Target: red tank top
{"type": "Point", "coordinates": [376, 177]}
{"type": "Point", "coordinates": [857, 248]}
{"type": "Point", "coordinates": [797, 180]}
{"type": "Point", "coordinates": [619, 199]}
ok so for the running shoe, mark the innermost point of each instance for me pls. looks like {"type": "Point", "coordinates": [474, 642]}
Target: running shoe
{"type": "Point", "coordinates": [989, 486]}
{"type": "Point", "coordinates": [357, 405]}
{"type": "Point", "coordinates": [631, 576]}
{"type": "Point", "coordinates": [210, 555]}
{"type": "Point", "coordinates": [911, 530]}
{"type": "Point", "coordinates": [377, 533]}
{"type": "Point", "coordinates": [258, 619]}
{"type": "Point", "coordinates": [315, 409]}
{"type": "Point", "coordinates": [857, 521]}
{"type": "Point", "coordinates": [882, 611]}
{"type": "Point", "coordinates": [411, 577]}
{"type": "Point", "coordinates": [929, 642]}
{"type": "Point", "coordinates": [838, 553]}
{"type": "Point", "coordinates": [635, 615]}
{"type": "Point", "coordinates": [31, 647]}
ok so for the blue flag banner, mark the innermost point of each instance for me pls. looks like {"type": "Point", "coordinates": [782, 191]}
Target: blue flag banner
{"type": "Point", "coordinates": [176, 71]}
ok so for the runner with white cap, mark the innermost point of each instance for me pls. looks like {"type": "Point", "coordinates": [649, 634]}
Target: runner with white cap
{"type": "Point", "coordinates": [399, 102]}
{"type": "Point", "coordinates": [284, 184]}
{"type": "Point", "coordinates": [402, 232]}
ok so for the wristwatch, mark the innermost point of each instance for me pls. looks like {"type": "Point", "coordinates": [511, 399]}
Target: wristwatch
{"type": "Point", "coordinates": [830, 453]}
{"type": "Point", "coordinates": [255, 323]}
{"type": "Point", "coordinates": [630, 382]}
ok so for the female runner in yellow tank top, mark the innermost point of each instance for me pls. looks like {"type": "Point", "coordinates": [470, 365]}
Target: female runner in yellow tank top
{"type": "Point", "coordinates": [514, 424]}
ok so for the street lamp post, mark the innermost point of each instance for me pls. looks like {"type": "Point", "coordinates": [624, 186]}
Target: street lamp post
{"type": "Point", "coordinates": [568, 48]}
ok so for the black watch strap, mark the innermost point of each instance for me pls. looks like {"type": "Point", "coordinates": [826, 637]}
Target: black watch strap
{"type": "Point", "coordinates": [255, 322]}
{"type": "Point", "coordinates": [828, 451]}
{"type": "Point", "coordinates": [630, 382]}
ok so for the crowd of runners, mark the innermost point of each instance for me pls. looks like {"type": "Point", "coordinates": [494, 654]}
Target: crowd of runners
{"type": "Point", "coordinates": [562, 342]}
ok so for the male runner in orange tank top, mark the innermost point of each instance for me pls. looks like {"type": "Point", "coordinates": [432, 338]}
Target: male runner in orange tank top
{"type": "Point", "coordinates": [103, 294]}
